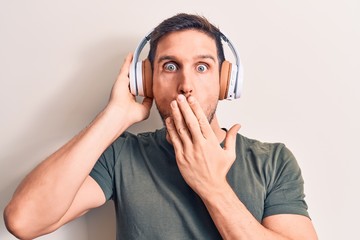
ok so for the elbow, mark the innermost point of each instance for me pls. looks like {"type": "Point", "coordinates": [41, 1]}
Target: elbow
{"type": "Point", "coordinates": [16, 224]}
{"type": "Point", "coordinates": [12, 223]}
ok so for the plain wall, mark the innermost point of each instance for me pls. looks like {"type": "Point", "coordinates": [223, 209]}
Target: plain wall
{"type": "Point", "coordinates": [59, 59]}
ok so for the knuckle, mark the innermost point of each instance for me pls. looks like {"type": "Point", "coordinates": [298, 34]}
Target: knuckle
{"type": "Point", "coordinates": [202, 121]}
{"type": "Point", "coordinates": [191, 125]}
{"type": "Point", "coordinates": [182, 130]}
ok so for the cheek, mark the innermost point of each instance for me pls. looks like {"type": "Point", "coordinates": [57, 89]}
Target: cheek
{"type": "Point", "coordinates": [164, 87]}
{"type": "Point", "coordinates": [209, 88]}
{"type": "Point", "coordinates": [163, 92]}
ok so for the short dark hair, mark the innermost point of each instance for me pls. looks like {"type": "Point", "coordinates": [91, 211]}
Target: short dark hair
{"type": "Point", "coordinates": [183, 21]}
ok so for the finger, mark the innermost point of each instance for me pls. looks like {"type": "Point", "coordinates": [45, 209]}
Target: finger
{"type": "Point", "coordinates": [147, 103]}
{"type": "Point", "coordinates": [123, 77]}
{"type": "Point", "coordinates": [230, 139]}
{"type": "Point", "coordinates": [179, 123]}
{"type": "Point", "coordinates": [122, 80]}
{"type": "Point", "coordinates": [202, 119]}
{"type": "Point", "coordinates": [124, 70]}
{"type": "Point", "coordinates": [173, 134]}
{"type": "Point", "coordinates": [189, 117]}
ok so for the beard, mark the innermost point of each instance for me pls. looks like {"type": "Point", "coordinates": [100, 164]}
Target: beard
{"type": "Point", "coordinates": [165, 111]}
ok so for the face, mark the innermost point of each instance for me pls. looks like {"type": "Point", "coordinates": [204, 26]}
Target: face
{"type": "Point", "coordinates": [186, 63]}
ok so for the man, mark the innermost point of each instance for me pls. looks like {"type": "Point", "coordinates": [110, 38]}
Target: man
{"type": "Point", "coordinates": [189, 180]}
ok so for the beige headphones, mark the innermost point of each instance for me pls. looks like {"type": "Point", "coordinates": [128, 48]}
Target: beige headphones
{"type": "Point", "coordinates": [231, 75]}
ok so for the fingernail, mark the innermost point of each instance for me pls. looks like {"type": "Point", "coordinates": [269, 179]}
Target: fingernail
{"type": "Point", "coordinates": [191, 99]}
{"type": "Point", "coordinates": [173, 104]}
{"type": "Point", "coordinates": [181, 98]}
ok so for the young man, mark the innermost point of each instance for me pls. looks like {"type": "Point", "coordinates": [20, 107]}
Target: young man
{"type": "Point", "coordinates": [189, 180]}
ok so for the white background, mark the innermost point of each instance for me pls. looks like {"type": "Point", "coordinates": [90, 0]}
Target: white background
{"type": "Point", "coordinates": [59, 59]}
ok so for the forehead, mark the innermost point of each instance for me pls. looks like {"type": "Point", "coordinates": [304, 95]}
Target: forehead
{"type": "Point", "coordinates": [186, 43]}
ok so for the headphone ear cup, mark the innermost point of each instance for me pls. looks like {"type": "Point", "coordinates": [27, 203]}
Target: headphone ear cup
{"type": "Point", "coordinates": [225, 75]}
{"type": "Point", "coordinates": [147, 78]}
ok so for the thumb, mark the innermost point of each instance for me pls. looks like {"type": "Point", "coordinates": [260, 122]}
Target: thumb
{"type": "Point", "coordinates": [230, 138]}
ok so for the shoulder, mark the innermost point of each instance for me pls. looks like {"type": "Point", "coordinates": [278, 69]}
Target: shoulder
{"type": "Point", "coordinates": [129, 139]}
{"type": "Point", "coordinates": [272, 157]}
{"type": "Point", "coordinates": [261, 149]}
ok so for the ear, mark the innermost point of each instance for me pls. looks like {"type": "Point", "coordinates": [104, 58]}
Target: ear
{"type": "Point", "coordinates": [147, 78]}
{"type": "Point", "coordinates": [225, 75]}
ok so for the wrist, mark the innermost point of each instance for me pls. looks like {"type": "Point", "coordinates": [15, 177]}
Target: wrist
{"type": "Point", "coordinates": [216, 193]}
{"type": "Point", "coordinates": [115, 119]}
{"type": "Point", "coordinates": [216, 201]}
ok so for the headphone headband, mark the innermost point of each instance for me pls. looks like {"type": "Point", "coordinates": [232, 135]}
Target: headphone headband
{"type": "Point", "coordinates": [239, 72]}
{"type": "Point", "coordinates": [133, 66]}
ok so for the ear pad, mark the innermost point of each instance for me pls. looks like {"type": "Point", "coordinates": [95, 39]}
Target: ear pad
{"type": "Point", "coordinates": [147, 78]}
{"type": "Point", "coordinates": [225, 75]}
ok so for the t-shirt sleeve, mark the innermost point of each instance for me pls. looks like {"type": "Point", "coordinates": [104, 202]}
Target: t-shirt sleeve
{"type": "Point", "coordinates": [103, 171]}
{"type": "Point", "coordinates": [286, 192]}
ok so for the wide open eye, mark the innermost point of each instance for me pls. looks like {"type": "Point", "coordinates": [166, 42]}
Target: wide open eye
{"type": "Point", "coordinates": [201, 68]}
{"type": "Point", "coordinates": [170, 67]}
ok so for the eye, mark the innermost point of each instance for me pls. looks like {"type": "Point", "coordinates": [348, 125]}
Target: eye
{"type": "Point", "coordinates": [201, 68]}
{"type": "Point", "coordinates": [170, 67]}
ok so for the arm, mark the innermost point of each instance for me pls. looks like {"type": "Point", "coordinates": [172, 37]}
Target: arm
{"type": "Point", "coordinates": [204, 165]}
{"type": "Point", "coordinates": [243, 225]}
{"type": "Point", "coordinates": [62, 180]}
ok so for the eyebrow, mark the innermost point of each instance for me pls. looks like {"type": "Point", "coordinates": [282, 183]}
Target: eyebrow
{"type": "Point", "coordinates": [165, 58]}
{"type": "Point", "coordinates": [170, 57]}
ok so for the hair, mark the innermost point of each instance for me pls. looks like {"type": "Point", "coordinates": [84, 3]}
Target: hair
{"type": "Point", "coordinates": [183, 21]}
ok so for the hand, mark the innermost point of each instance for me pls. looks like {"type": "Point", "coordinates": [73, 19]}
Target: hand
{"type": "Point", "coordinates": [123, 101]}
{"type": "Point", "coordinates": [200, 158]}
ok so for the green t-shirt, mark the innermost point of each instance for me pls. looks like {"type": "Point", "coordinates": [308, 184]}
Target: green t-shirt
{"type": "Point", "coordinates": [152, 200]}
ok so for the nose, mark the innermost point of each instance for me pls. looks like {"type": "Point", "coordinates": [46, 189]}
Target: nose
{"type": "Point", "coordinates": [186, 86]}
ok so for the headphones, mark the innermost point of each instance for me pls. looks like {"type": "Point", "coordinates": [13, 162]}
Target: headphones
{"type": "Point", "coordinates": [231, 75]}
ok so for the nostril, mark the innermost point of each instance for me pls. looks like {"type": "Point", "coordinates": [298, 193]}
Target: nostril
{"type": "Point", "coordinates": [185, 88]}
{"type": "Point", "coordinates": [186, 93]}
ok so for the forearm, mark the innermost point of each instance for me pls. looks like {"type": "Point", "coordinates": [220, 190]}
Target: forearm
{"type": "Point", "coordinates": [48, 191]}
{"type": "Point", "coordinates": [233, 219]}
